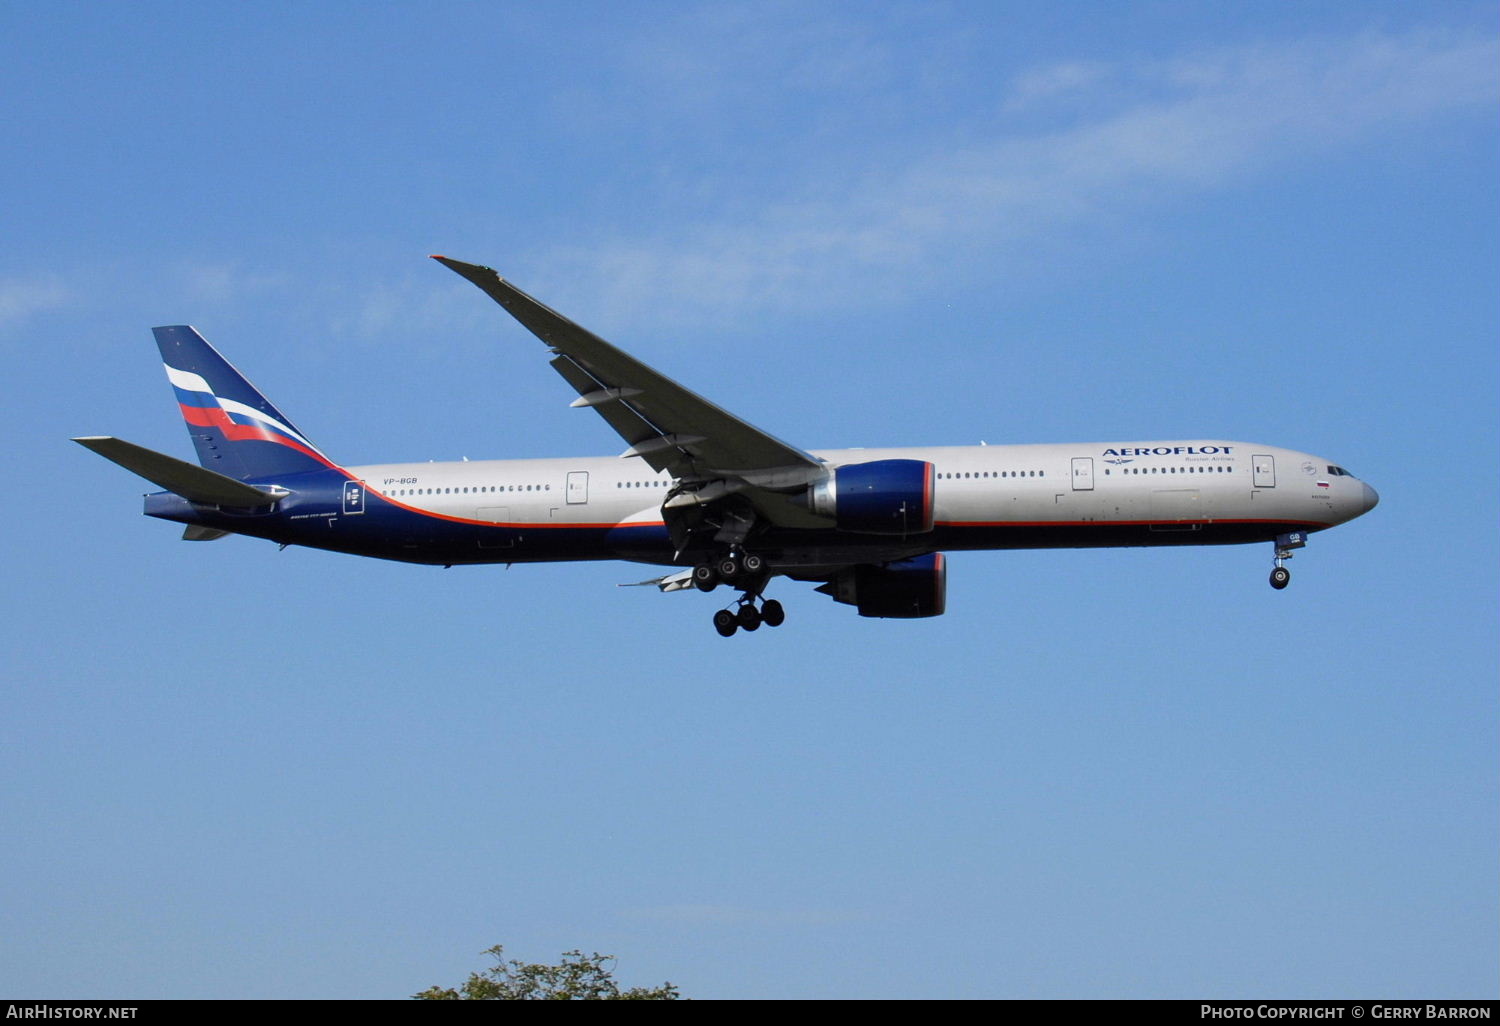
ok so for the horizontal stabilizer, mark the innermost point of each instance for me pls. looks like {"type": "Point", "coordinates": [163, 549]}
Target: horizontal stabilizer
{"type": "Point", "coordinates": [197, 532]}
{"type": "Point", "coordinates": [188, 480]}
{"type": "Point", "coordinates": [671, 582]}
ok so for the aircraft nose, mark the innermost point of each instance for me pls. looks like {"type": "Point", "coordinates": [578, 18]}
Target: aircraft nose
{"type": "Point", "coordinates": [1371, 498]}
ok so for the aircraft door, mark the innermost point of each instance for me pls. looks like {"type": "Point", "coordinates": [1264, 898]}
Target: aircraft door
{"type": "Point", "coordinates": [1264, 471]}
{"type": "Point", "coordinates": [354, 497]}
{"type": "Point", "coordinates": [495, 539]}
{"type": "Point", "coordinates": [1083, 473]}
{"type": "Point", "coordinates": [578, 487]}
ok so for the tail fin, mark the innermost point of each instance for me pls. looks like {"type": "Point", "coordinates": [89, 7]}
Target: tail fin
{"type": "Point", "coordinates": [235, 429]}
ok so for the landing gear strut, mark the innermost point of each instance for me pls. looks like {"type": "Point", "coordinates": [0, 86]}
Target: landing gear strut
{"type": "Point", "coordinates": [1281, 576]}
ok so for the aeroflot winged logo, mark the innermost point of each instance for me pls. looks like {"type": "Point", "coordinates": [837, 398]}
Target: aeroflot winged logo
{"type": "Point", "coordinates": [238, 422]}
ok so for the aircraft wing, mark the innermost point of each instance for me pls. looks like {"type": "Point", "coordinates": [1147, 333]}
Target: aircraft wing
{"type": "Point", "coordinates": [671, 428]}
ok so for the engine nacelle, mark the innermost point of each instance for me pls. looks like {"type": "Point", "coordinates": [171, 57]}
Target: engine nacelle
{"type": "Point", "coordinates": [881, 497]}
{"type": "Point", "coordinates": [905, 590]}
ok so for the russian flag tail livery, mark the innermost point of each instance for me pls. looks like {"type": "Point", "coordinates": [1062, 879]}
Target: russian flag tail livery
{"type": "Point", "coordinates": [236, 430]}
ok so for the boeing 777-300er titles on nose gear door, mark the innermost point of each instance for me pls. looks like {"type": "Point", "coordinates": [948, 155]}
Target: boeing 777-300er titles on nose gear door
{"type": "Point", "coordinates": [717, 499]}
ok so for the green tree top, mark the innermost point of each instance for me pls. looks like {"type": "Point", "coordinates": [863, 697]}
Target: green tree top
{"type": "Point", "coordinates": [578, 977]}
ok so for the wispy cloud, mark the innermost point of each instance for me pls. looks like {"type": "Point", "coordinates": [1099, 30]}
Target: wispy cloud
{"type": "Point", "coordinates": [1058, 157]}
{"type": "Point", "coordinates": [225, 283]}
{"type": "Point", "coordinates": [733, 915]}
{"type": "Point", "coordinates": [1040, 85]}
{"type": "Point", "coordinates": [1196, 122]}
{"type": "Point", "coordinates": [20, 298]}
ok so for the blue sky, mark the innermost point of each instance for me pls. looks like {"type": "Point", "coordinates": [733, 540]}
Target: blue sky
{"type": "Point", "coordinates": [233, 772]}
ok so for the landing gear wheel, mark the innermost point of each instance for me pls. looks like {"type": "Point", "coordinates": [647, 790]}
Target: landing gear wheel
{"type": "Point", "coordinates": [749, 617]}
{"type": "Point", "coordinates": [753, 564]}
{"type": "Point", "coordinates": [705, 578]}
{"type": "Point", "coordinates": [725, 623]}
{"type": "Point", "coordinates": [729, 568]}
{"type": "Point", "coordinates": [771, 613]}
{"type": "Point", "coordinates": [1280, 577]}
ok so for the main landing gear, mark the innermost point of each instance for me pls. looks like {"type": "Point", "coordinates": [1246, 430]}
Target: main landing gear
{"type": "Point", "coordinates": [745, 571]}
{"type": "Point", "coordinates": [729, 569]}
{"type": "Point", "coordinates": [1281, 576]}
{"type": "Point", "coordinates": [748, 618]}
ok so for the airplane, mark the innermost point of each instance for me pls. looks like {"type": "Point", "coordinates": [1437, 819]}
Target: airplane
{"type": "Point", "coordinates": [714, 499]}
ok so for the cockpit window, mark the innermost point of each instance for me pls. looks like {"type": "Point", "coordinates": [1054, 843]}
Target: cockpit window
{"type": "Point", "coordinates": [1339, 472]}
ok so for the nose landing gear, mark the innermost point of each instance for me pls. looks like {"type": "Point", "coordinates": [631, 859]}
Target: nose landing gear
{"type": "Point", "coordinates": [1285, 543]}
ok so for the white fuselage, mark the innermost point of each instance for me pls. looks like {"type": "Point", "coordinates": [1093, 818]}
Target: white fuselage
{"type": "Point", "coordinates": [1165, 484]}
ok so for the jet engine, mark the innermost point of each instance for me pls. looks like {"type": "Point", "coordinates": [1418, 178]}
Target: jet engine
{"type": "Point", "coordinates": [905, 589]}
{"type": "Point", "coordinates": [892, 497]}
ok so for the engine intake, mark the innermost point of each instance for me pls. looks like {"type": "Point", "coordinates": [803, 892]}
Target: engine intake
{"type": "Point", "coordinates": [891, 497]}
{"type": "Point", "coordinates": [904, 590]}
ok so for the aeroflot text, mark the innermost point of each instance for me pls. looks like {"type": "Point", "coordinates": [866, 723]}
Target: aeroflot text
{"type": "Point", "coordinates": [1337, 1012]}
{"type": "Point", "coordinates": [1174, 450]}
